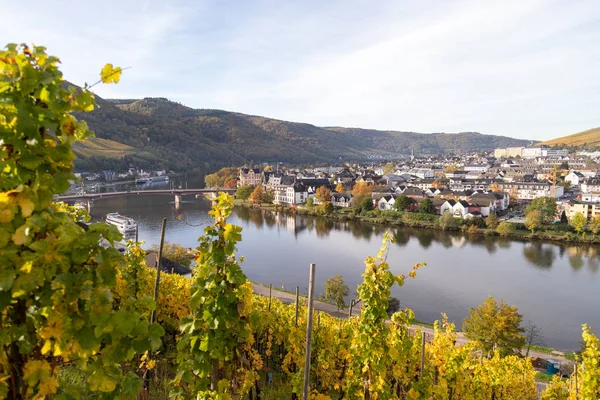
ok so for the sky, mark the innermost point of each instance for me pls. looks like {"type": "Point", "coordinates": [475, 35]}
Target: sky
{"type": "Point", "coordinates": [524, 68]}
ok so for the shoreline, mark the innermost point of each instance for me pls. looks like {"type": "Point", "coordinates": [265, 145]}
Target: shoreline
{"type": "Point", "coordinates": [428, 221]}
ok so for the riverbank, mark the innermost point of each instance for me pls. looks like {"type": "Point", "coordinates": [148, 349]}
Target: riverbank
{"type": "Point", "coordinates": [474, 226]}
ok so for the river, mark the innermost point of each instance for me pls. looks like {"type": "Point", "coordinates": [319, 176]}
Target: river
{"type": "Point", "coordinates": [555, 286]}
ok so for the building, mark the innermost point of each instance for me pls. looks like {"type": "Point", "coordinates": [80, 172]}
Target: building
{"type": "Point", "coordinates": [531, 190]}
{"type": "Point", "coordinates": [422, 173]}
{"type": "Point", "coordinates": [574, 178]}
{"type": "Point", "coordinates": [341, 200]}
{"type": "Point", "coordinates": [250, 176]}
{"type": "Point", "coordinates": [590, 186]}
{"type": "Point", "coordinates": [290, 195]}
{"type": "Point", "coordinates": [476, 167]}
{"type": "Point", "coordinates": [508, 152]}
{"type": "Point", "coordinates": [589, 210]}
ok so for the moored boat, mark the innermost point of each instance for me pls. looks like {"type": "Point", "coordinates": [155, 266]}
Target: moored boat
{"type": "Point", "coordinates": [123, 224]}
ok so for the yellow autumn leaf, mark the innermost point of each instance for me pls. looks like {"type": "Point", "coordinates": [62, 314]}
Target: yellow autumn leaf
{"type": "Point", "coordinates": [20, 235]}
{"type": "Point", "coordinates": [110, 74]}
{"type": "Point", "coordinates": [48, 386]}
{"type": "Point", "coordinates": [26, 205]}
{"type": "Point", "coordinates": [35, 371]}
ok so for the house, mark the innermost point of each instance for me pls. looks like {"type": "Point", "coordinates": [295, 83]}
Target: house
{"type": "Point", "coordinates": [590, 185]}
{"type": "Point", "coordinates": [501, 200]}
{"type": "Point", "coordinates": [414, 193]}
{"type": "Point", "coordinates": [386, 203]}
{"type": "Point", "coordinates": [574, 178]}
{"type": "Point", "coordinates": [456, 208]}
{"type": "Point", "coordinates": [250, 176]}
{"type": "Point", "coordinates": [290, 195]}
{"type": "Point", "coordinates": [341, 200]}
{"type": "Point", "coordinates": [590, 197]}
{"type": "Point", "coordinates": [482, 206]}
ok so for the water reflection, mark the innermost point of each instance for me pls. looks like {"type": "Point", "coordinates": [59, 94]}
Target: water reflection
{"type": "Point", "coordinates": [539, 255]}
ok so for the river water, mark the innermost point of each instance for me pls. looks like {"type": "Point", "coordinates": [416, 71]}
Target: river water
{"type": "Point", "coordinates": [555, 286]}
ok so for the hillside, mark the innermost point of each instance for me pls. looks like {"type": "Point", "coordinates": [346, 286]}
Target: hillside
{"type": "Point", "coordinates": [169, 135]}
{"type": "Point", "coordinates": [105, 147]}
{"type": "Point", "coordinates": [589, 138]}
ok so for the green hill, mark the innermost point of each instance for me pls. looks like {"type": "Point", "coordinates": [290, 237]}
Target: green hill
{"type": "Point", "coordinates": [103, 148]}
{"type": "Point", "coordinates": [589, 138]}
{"type": "Point", "coordinates": [159, 133]}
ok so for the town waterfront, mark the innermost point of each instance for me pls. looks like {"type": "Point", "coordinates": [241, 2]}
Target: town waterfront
{"type": "Point", "coordinates": [554, 285]}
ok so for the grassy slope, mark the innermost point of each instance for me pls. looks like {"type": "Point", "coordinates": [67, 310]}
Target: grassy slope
{"type": "Point", "coordinates": [102, 148]}
{"type": "Point", "coordinates": [589, 137]}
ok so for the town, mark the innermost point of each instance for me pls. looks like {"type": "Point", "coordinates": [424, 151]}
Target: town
{"type": "Point", "coordinates": [472, 186]}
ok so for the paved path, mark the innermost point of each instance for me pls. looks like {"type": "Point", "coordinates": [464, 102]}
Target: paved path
{"type": "Point", "coordinates": [288, 298]}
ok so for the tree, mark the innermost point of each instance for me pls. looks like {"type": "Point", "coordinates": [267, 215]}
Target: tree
{"type": "Point", "coordinates": [402, 203]}
{"type": "Point", "coordinates": [268, 196]}
{"type": "Point", "coordinates": [57, 282]}
{"type": "Point", "coordinates": [595, 224]}
{"type": "Point", "coordinates": [388, 168]}
{"type": "Point", "coordinates": [533, 336]}
{"type": "Point", "coordinates": [176, 253]}
{"type": "Point", "coordinates": [447, 221]}
{"type": "Point", "coordinates": [491, 221]}
{"type": "Point", "coordinates": [363, 203]}
{"type": "Point", "coordinates": [578, 222]}
{"type": "Point", "coordinates": [533, 220]}
{"type": "Point", "coordinates": [243, 192]}
{"type": "Point", "coordinates": [310, 203]}
{"type": "Point", "coordinates": [257, 195]}
{"type": "Point", "coordinates": [339, 188]}
{"type": "Point", "coordinates": [437, 184]}
{"type": "Point", "coordinates": [426, 206]}
{"type": "Point", "coordinates": [393, 305]}
{"type": "Point", "coordinates": [563, 218]}
{"type": "Point", "coordinates": [495, 326]}
{"type": "Point", "coordinates": [323, 194]}
{"type": "Point", "coordinates": [361, 188]}
{"type": "Point", "coordinates": [494, 187]}
{"type": "Point", "coordinates": [451, 168]}
{"type": "Point", "coordinates": [326, 208]}
{"type": "Point", "coordinates": [336, 290]}
{"type": "Point", "coordinates": [221, 177]}
{"type": "Point", "coordinates": [546, 208]}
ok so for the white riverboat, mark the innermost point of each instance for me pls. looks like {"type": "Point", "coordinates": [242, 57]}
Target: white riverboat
{"type": "Point", "coordinates": [124, 224]}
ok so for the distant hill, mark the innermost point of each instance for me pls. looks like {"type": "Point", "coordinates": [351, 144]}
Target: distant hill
{"type": "Point", "coordinates": [158, 133]}
{"type": "Point", "coordinates": [589, 138]}
{"type": "Point", "coordinates": [104, 147]}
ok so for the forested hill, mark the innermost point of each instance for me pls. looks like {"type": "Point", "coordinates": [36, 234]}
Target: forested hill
{"type": "Point", "coordinates": [156, 132]}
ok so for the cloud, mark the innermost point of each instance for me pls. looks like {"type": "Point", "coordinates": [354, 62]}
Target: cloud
{"type": "Point", "coordinates": [520, 68]}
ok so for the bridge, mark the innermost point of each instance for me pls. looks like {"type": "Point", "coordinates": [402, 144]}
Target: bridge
{"type": "Point", "coordinates": [178, 193]}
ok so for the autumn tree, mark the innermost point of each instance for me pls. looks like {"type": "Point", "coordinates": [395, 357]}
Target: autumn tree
{"type": "Point", "coordinates": [595, 224]}
{"type": "Point", "coordinates": [451, 168]}
{"type": "Point", "coordinates": [545, 207]}
{"type": "Point", "coordinates": [426, 206]}
{"type": "Point", "coordinates": [243, 192]}
{"type": "Point", "coordinates": [222, 178]}
{"type": "Point", "coordinates": [339, 188]}
{"type": "Point", "coordinates": [360, 192]}
{"type": "Point", "coordinates": [578, 222]}
{"type": "Point", "coordinates": [491, 221]}
{"type": "Point", "coordinates": [494, 187]}
{"type": "Point", "coordinates": [336, 290]}
{"type": "Point", "coordinates": [388, 168]}
{"type": "Point", "coordinates": [495, 326]}
{"type": "Point", "coordinates": [533, 220]}
{"type": "Point", "coordinates": [257, 195]}
{"type": "Point", "coordinates": [402, 203]}
{"type": "Point", "coordinates": [176, 253]}
{"type": "Point", "coordinates": [447, 221]}
{"type": "Point", "coordinates": [437, 184]}
{"type": "Point", "coordinates": [323, 194]}
{"type": "Point", "coordinates": [268, 196]}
